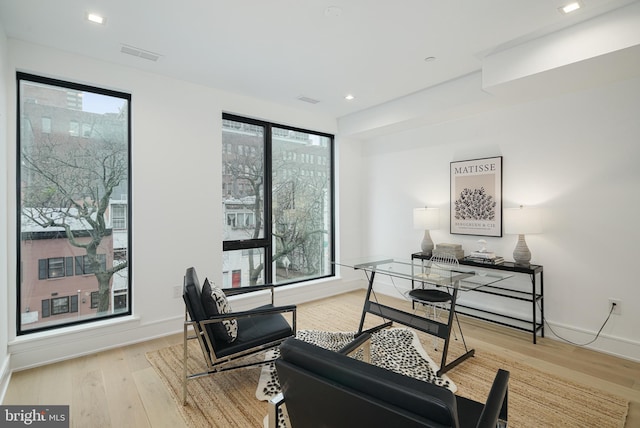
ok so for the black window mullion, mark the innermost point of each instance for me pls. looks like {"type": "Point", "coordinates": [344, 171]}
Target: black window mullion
{"type": "Point", "coordinates": [244, 244]}
{"type": "Point", "coordinates": [333, 202]}
{"type": "Point", "coordinates": [268, 165]}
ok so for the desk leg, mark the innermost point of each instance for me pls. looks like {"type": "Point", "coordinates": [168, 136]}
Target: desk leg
{"type": "Point", "coordinates": [444, 367]}
{"type": "Point", "coordinates": [452, 308]}
{"type": "Point", "coordinates": [364, 308]}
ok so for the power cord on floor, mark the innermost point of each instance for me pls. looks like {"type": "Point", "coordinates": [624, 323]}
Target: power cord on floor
{"type": "Point", "coordinates": [580, 344]}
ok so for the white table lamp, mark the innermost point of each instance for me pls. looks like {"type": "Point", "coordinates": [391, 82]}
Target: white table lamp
{"type": "Point", "coordinates": [426, 219]}
{"type": "Point", "coordinates": [522, 221]}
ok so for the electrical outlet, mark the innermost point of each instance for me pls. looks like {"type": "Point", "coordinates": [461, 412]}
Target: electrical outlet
{"type": "Point", "coordinates": [617, 309]}
{"type": "Point", "coordinates": [177, 292]}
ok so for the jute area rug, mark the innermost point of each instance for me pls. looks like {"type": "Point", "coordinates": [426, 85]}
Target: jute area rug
{"type": "Point", "coordinates": [536, 399]}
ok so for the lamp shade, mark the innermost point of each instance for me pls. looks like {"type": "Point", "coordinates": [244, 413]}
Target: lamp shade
{"type": "Point", "coordinates": [522, 221]}
{"type": "Point", "coordinates": [426, 218]}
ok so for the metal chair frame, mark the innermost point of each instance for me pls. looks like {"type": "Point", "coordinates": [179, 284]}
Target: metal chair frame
{"type": "Point", "coordinates": [198, 330]}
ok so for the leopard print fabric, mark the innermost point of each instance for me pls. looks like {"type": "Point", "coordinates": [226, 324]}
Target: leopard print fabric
{"type": "Point", "coordinates": [394, 350]}
{"type": "Point", "coordinates": [391, 349]}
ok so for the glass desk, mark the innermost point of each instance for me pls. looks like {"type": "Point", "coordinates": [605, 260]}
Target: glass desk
{"type": "Point", "coordinates": [453, 278]}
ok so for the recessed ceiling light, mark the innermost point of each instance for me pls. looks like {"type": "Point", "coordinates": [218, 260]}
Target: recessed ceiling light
{"type": "Point", "coordinates": [95, 18]}
{"type": "Point", "coordinates": [349, 97]}
{"type": "Point", "coordinates": [570, 7]}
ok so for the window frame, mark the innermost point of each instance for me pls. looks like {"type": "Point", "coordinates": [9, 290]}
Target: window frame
{"type": "Point", "coordinates": [265, 243]}
{"type": "Point", "coordinates": [73, 303]}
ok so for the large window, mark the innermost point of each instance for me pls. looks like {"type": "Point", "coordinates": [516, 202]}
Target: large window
{"type": "Point", "coordinates": [73, 211]}
{"type": "Point", "coordinates": [277, 198]}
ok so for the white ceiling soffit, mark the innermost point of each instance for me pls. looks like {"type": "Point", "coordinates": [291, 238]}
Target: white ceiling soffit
{"type": "Point", "coordinates": [599, 50]}
{"type": "Point", "coordinates": [595, 52]}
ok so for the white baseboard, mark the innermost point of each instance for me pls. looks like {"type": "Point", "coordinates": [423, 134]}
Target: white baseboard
{"type": "Point", "coordinates": [606, 343]}
{"type": "Point", "coordinates": [38, 350]}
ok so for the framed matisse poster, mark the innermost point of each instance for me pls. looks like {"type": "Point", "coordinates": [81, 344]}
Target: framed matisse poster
{"type": "Point", "coordinates": [476, 197]}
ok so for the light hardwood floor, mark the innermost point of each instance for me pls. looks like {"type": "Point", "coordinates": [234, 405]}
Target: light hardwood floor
{"type": "Point", "coordinates": [118, 388]}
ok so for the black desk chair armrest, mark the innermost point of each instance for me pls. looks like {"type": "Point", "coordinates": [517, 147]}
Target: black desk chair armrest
{"type": "Point", "coordinates": [276, 403]}
{"type": "Point", "coordinates": [363, 341]}
{"type": "Point", "coordinates": [250, 313]}
{"type": "Point", "coordinates": [250, 289]}
{"type": "Point", "coordinates": [354, 344]}
{"type": "Point", "coordinates": [495, 407]}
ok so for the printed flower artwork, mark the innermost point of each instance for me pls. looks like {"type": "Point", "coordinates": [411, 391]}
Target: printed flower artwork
{"type": "Point", "coordinates": [475, 204]}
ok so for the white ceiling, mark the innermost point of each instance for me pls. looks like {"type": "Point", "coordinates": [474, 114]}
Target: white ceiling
{"type": "Point", "coordinates": [280, 50]}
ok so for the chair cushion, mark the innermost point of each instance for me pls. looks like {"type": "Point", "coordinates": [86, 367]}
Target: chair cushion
{"type": "Point", "coordinates": [255, 331]}
{"type": "Point", "coordinates": [430, 295]}
{"type": "Point", "coordinates": [215, 302]}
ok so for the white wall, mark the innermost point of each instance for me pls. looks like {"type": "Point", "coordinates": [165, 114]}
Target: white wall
{"type": "Point", "coordinates": [4, 195]}
{"type": "Point", "coordinates": [568, 130]}
{"type": "Point", "coordinates": [574, 155]}
{"type": "Point", "coordinates": [177, 220]}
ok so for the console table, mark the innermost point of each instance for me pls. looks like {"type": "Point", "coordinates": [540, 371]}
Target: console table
{"type": "Point", "coordinates": [535, 296]}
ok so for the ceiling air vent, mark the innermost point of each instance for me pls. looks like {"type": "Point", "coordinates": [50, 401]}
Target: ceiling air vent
{"type": "Point", "coordinates": [308, 100]}
{"type": "Point", "coordinates": [140, 53]}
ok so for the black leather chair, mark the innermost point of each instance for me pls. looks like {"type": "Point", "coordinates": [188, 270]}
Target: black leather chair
{"type": "Point", "coordinates": [258, 329]}
{"type": "Point", "coordinates": [321, 388]}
